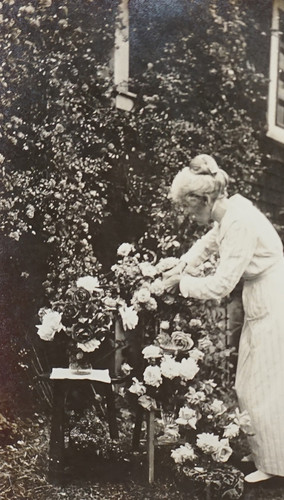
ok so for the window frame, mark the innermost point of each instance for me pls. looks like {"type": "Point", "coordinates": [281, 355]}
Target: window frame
{"type": "Point", "coordinates": [275, 131]}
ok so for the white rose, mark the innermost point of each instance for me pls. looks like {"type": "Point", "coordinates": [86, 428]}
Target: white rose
{"type": "Point", "coordinates": [244, 421]}
{"type": "Point", "coordinates": [195, 397]}
{"type": "Point", "coordinates": [188, 369]}
{"type": "Point", "coordinates": [170, 368]}
{"type": "Point", "coordinates": [147, 269]}
{"type": "Point", "coordinates": [187, 416]}
{"type": "Point", "coordinates": [157, 287]}
{"type": "Point", "coordinates": [196, 354]}
{"type": "Point", "coordinates": [151, 305]}
{"type": "Point", "coordinates": [217, 407]}
{"type": "Point", "coordinates": [204, 343]}
{"type": "Point", "coordinates": [195, 323]}
{"type": "Point", "coordinates": [89, 346]}
{"type": "Point", "coordinates": [164, 325]}
{"type": "Point", "coordinates": [124, 249]}
{"type": "Point", "coordinates": [223, 452]}
{"type": "Point", "coordinates": [143, 295]}
{"type": "Point", "coordinates": [126, 368]}
{"type": "Point", "coordinates": [208, 386]}
{"type": "Point", "coordinates": [45, 332]}
{"type": "Point", "coordinates": [89, 283]}
{"type": "Point", "coordinates": [51, 323]}
{"type": "Point", "coordinates": [207, 442]}
{"type": "Point", "coordinates": [152, 376]}
{"type": "Point", "coordinates": [147, 402]}
{"type": "Point", "coordinates": [183, 453]}
{"type": "Point", "coordinates": [137, 387]}
{"type": "Point", "coordinates": [151, 351]}
{"type": "Point", "coordinates": [129, 317]}
{"type": "Point", "coordinates": [182, 340]}
{"type": "Point", "coordinates": [232, 430]}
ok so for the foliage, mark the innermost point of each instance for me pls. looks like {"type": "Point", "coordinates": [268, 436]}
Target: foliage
{"type": "Point", "coordinates": [71, 162]}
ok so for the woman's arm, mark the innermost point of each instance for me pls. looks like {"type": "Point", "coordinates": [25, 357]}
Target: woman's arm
{"type": "Point", "coordinates": [202, 249]}
{"type": "Point", "coordinates": [197, 254]}
{"type": "Point", "coordinates": [236, 251]}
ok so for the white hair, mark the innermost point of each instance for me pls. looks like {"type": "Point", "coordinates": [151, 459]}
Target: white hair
{"type": "Point", "coordinates": [203, 176]}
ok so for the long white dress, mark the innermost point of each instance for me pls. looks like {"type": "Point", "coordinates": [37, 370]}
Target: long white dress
{"type": "Point", "coordinates": [250, 248]}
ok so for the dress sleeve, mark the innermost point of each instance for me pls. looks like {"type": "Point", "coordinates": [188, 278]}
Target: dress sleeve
{"type": "Point", "coordinates": [236, 251]}
{"type": "Point", "coordinates": [202, 249]}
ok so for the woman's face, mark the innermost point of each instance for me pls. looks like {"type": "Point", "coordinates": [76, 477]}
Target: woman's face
{"type": "Point", "coordinates": [197, 207]}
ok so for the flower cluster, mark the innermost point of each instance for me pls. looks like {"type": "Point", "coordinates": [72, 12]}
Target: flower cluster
{"type": "Point", "coordinates": [173, 382]}
{"type": "Point", "coordinates": [139, 277]}
{"type": "Point", "coordinates": [85, 316]}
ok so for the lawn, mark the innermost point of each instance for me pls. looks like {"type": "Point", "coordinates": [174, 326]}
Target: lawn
{"type": "Point", "coordinates": [96, 467]}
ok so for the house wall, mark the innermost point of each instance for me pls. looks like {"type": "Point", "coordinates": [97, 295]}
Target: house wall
{"type": "Point", "coordinates": [153, 25]}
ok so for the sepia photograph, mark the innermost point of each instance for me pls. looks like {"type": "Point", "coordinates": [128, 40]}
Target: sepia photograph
{"type": "Point", "coordinates": [141, 249]}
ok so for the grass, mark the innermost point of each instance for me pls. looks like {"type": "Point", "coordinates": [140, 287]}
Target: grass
{"type": "Point", "coordinates": [96, 467]}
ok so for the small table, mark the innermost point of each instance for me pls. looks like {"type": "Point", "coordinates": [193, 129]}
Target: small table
{"type": "Point", "coordinates": [62, 379]}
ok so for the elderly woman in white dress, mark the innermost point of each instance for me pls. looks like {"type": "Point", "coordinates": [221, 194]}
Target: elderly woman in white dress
{"type": "Point", "coordinates": [249, 248]}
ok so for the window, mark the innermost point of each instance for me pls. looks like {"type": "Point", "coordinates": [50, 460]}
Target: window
{"type": "Point", "coordinates": [124, 98]}
{"type": "Point", "coordinates": [276, 85]}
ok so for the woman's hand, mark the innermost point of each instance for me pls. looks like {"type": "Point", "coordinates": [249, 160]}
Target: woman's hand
{"type": "Point", "coordinates": [171, 283]}
{"type": "Point", "coordinates": [178, 269]}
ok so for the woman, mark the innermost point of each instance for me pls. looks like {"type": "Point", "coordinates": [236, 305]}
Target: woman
{"type": "Point", "coordinates": [249, 248]}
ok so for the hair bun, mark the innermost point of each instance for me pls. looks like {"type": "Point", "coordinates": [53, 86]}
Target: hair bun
{"type": "Point", "coordinates": [204, 165]}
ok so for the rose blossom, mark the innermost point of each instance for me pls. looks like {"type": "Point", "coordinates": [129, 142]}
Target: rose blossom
{"type": "Point", "coordinates": [232, 430]}
{"type": "Point", "coordinates": [137, 387]}
{"type": "Point", "coordinates": [218, 407]}
{"type": "Point", "coordinates": [188, 369]}
{"type": "Point", "coordinates": [151, 305]}
{"type": "Point", "coordinates": [124, 249]}
{"type": "Point", "coordinates": [196, 354]}
{"type": "Point", "coordinates": [182, 340]}
{"type": "Point", "coordinates": [152, 376]}
{"type": "Point", "coordinates": [195, 323]}
{"type": "Point", "coordinates": [223, 452]}
{"type": "Point", "coordinates": [126, 368]}
{"type": "Point", "coordinates": [195, 397]}
{"type": "Point", "coordinates": [208, 386]}
{"type": "Point", "coordinates": [164, 325]}
{"type": "Point", "coordinates": [183, 453]}
{"type": "Point", "coordinates": [129, 317]}
{"type": "Point", "coordinates": [152, 351]}
{"type": "Point", "coordinates": [170, 433]}
{"type": "Point", "coordinates": [147, 402]}
{"type": "Point", "coordinates": [207, 442]}
{"type": "Point", "coordinates": [244, 421]}
{"type": "Point", "coordinates": [51, 323]}
{"type": "Point", "coordinates": [204, 343]}
{"type": "Point", "coordinates": [143, 295]}
{"type": "Point", "coordinates": [187, 416]}
{"type": "Point", "coordinates": [88, 282]}
{"type": "Point", "coordinates": [147, 269]}
{"type": "Point", "coordinates": [90, 345]}
{"type": "Point", "coordinates": [109, 302]}
{"type": "Point", "coordinates": [170, 368]}
{"type": "Point", "coordinates": [157, 287]}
